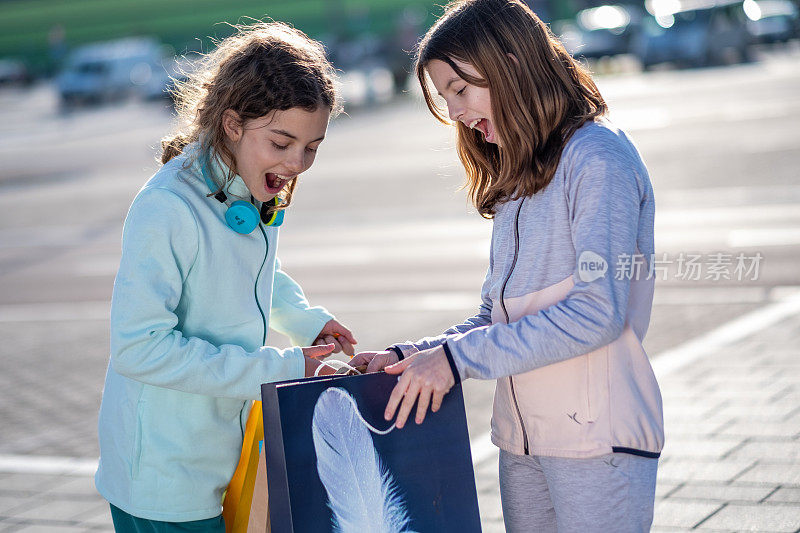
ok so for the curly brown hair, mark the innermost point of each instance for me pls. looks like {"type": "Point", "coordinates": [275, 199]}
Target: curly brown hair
{"type": "Point", "coordinates": [539, 95]}
{"type": "Point", "coordinates": [262, 67]}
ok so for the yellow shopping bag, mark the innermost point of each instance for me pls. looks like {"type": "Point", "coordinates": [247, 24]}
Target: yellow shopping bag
{"type": "Point", "coordinates": [238, 503]}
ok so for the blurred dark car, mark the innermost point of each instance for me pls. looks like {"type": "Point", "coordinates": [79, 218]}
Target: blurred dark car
{"type": "Point", "coordinates": [114, 70]}
{"type": "Point", "coordinates": [695, 34]}
{"type": "Point", "coordinates": [772, 21]}
{"type": "Point", "coordinates": [601, 31]}
{"type": "Point", "coordinates": [14, 72]}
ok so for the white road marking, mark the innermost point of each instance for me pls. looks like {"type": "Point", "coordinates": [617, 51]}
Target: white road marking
{"type": "Point", "coordinates": [741, 214]}
{"type": "Point", "coordinates": [402, 302]}
{"type": "Point", "coordinates": [728, 333]}
{"type": "Point", "coordinates": [36, 464]}
{"type": "Point", "coordinates": [772, 236]}
{"type": "Point", "coordinates": [45, 236]}
{"type": "Point", "coordinates": [55, 312]}
{"type": "Point", "coordinates": [482, 448]}
{"type": "Point", "coordinates": [737, 196]}
{"type": "Point", "coordinates": [639, 118]}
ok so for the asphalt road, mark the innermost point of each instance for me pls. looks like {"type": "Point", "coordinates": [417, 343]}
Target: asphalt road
{"type": "Point", "coordinates": [380, 233]}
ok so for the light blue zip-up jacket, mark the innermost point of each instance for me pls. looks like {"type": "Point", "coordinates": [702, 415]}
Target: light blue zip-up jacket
{"type": "Point", "coordinates": [190, 312]}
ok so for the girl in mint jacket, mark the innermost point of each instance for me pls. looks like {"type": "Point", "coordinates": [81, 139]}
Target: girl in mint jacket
{"type": "Point", "coordinates": [199, 283]}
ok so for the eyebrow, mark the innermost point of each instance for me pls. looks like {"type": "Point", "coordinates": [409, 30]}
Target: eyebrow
{"type": "Point", "coordinates": [449, 83]}
{"type": "Point", "coordinates": [287, 134]}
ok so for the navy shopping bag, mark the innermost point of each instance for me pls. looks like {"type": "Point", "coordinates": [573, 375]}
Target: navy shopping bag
{"type": "Point", "coordinates": [334, 463]}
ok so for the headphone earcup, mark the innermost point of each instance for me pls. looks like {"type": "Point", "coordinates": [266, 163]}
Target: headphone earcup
{"type": "Point", "coordinates": [276, 219]}
{"type": "Point", "coordinates": [242, 217]}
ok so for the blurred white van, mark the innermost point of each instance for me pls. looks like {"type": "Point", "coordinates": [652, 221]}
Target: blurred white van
{"type": "Point", "coordinates": [114, 70]}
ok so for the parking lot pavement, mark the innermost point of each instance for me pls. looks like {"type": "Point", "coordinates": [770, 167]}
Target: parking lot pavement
{"type": "Point", "coordinates": [379, 237]}
{"type": "Point", "coordinates": [731, 462]}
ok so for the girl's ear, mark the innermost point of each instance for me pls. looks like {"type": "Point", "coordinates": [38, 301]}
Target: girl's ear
{"type": "Point", "coordinates": [232, 125]}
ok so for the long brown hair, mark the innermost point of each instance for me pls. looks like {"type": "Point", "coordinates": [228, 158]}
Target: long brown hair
{"type": "Point", "coordinates": [539, 95]}
{"type": "Point", "coordinates": [263, 67]}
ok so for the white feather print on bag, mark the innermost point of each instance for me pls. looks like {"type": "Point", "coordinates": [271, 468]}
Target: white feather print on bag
{"type": "Point", "coordinates": [362, 494]}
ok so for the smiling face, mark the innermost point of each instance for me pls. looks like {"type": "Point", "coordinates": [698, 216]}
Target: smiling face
{"type": "Point", "coordinates": [466, 103]}
{"type": "Point", "coordinates": [272, 150]}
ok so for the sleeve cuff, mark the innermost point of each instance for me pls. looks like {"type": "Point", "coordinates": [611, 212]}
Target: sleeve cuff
{"type": "Point", "coordinates": [308, 327]}
{"type": "Point", "coordinates": [398, 351]}
{"type": "Point", "coordinates": [452, 363]}
{"type": "Point", "coordinates": [298, 361]}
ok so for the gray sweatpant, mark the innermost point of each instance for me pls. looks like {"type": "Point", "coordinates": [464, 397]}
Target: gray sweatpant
{"type": "Point", "coordinates": [610, 493]}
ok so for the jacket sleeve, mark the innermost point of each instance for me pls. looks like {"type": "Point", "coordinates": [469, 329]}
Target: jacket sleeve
{"type": "Point", "coordinates": [605, 190]}
{"type": "Point", "coordinates": [160, 242]}
{"type": "Point", "coordinates": [291, 313]}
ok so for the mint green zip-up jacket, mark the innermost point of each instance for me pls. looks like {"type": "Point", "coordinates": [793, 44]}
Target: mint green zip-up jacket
{"type": "Point", "coordinates": [191, 307]}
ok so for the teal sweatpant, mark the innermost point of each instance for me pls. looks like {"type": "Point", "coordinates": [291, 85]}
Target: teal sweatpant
{"type": "Point", "coordinates": [126, 523]}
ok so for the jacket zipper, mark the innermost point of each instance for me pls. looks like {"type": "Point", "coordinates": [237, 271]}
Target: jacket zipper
{"type": "Point", "coordinates": [260, 310]}
{"type": "Point", "coordinates": [255, 286]}
{"type": "Point", "coordinates": [505, 311]}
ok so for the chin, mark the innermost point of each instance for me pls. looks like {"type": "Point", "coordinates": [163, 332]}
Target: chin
{"type": "Point", "coordinates": [265, 197]}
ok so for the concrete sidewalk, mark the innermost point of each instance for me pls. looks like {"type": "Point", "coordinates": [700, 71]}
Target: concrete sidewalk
{"type": "Point", "coordinates": [732, 460]}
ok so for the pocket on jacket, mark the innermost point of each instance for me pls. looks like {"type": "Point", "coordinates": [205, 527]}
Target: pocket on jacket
{"type": "Point", "coordinates": [136, 453]}
{"type": "Point", "coordinates": [597, 383]}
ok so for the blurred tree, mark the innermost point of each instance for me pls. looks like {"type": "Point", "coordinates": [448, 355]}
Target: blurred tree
{"type": "Point", "coordinates": [184, 25]}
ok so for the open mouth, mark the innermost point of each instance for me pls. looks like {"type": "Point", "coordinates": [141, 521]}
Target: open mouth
{"type": "Point", "coordinates": [275, 182]}
{"type": "Point", "coordinates": [483, 126]}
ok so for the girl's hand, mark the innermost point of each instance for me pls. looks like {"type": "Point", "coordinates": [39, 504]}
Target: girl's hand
{"type": "Point", "coordinates": [338, 335]}
{"type": "Point", "coordinates": [375, 361]}
{"type": "Point", "coordinates": [313, 355]}
{"type": "Point", "coordinates": [426, 375]}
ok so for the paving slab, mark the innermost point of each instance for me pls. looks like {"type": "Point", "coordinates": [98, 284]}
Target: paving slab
{"type": "Point", "coordinates": [769, 451]}
{"type": "Point", "coordinates": [736, 517]}
{"type": "Point", "coordinates": [681, 514]}
{"type": "Point", "coordinates": [715, 447]}
{"type": "Point", "coordinates": [49, 509]}
{"type": "Point", "coordinates": [754, 428]}
{"type": "Point", "coordinates": [682, 469]}
{"type": "Point", "coordinates": [723, 493]}
{"type": "Point", "coordinates": [788, 474]}
{"type": "Point", "coordinates": [786, 495]}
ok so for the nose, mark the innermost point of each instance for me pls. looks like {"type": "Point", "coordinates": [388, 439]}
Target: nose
{"type": "Point", "coordinates": [454, 111]}
{"type": "Point", "coordinates": [295, 163]}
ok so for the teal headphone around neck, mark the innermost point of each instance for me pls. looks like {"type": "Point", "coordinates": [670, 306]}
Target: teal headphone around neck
{"type": "Point", "coordinates": [242, 216]}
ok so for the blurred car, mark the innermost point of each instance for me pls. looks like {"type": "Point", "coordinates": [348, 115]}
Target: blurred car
{"type": "Point", "coordinates": [694, 34]}
{"type": "Point", "coordinates": [601, 31]}
{"type": "Point", "coordinates": [772, 21]}
{"type": "Point", "coordinates": [14, 72]}
{"type": "Point", "coordinates": [113, 70]}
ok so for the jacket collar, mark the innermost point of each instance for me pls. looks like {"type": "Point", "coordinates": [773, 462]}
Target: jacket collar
{"type": "Point", "coordinates": [218, 172]}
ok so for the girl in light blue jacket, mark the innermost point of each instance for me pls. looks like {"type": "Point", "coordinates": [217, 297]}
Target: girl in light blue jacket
{"type": "Point", "coordinates": [199, 283]}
